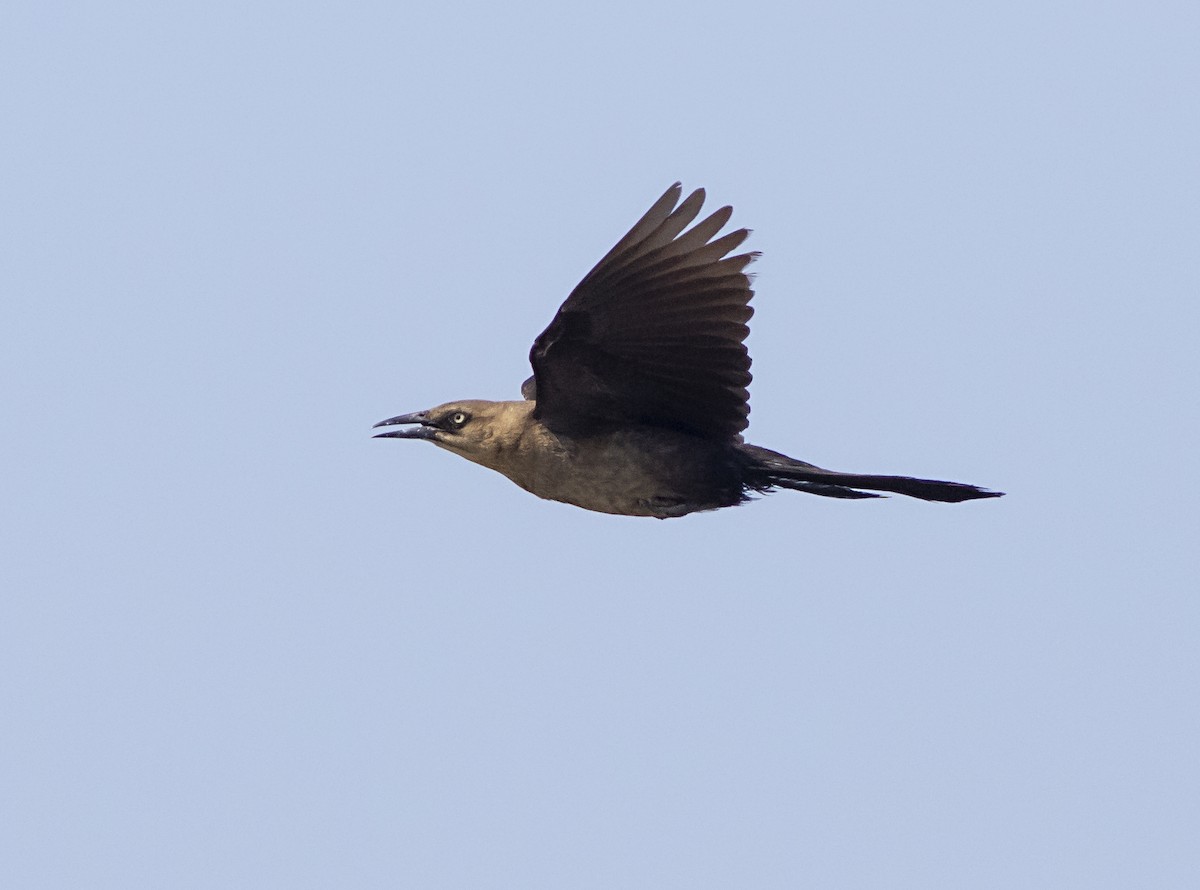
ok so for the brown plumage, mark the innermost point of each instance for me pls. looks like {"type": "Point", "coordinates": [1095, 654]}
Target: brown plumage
{"type": "Point", "coordinates": [639, 390]}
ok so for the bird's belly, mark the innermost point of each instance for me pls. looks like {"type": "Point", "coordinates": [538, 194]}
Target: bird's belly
{"type": "Point", "coordinates": [632, 474]}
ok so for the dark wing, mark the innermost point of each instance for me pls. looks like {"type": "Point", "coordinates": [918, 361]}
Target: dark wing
{"type": "Point", "coordinates": [653, 334]}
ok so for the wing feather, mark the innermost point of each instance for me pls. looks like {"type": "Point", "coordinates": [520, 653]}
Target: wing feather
{"type": "Point", "coordinates": [654, 333]}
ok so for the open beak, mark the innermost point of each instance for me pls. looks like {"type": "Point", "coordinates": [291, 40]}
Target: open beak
{"type": "Point", "coordinates": [424, 430]}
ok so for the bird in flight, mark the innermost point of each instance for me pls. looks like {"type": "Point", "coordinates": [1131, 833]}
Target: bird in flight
{"type": "Point", "coordinates": [638, 397]}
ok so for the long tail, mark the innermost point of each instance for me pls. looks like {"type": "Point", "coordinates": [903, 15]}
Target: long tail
{"type": "Point", "coordinates": [766, 469]}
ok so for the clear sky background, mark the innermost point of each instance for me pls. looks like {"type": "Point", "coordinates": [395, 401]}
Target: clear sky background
{"type": "Point", "coordinates": [244, 645]}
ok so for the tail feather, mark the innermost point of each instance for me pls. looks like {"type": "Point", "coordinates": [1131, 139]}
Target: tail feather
{"type": "Point", "coordinates": [770, 469]}
{"type": "Point", "coordinates": [824, 489]}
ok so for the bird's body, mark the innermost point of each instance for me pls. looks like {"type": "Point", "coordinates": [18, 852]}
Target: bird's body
{"type": "Point", "coordinates": [638, 398]}
{"type": "Point", "coordinates": [631, 470]}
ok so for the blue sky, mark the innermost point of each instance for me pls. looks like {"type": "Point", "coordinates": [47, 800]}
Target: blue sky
{"type": "Point", "coordinates": [244, 645]}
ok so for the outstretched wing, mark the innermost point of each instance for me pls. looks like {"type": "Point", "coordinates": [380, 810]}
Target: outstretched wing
{"type": "Point", "coordinates": [654, 333]}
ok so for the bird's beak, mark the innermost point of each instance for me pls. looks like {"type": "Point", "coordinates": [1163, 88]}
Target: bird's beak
{"type": "Point", "coordinates": [425, 430]}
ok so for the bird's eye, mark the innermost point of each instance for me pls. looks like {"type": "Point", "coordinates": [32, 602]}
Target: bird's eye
{"type": "Point", "coordinates": [457, 419]}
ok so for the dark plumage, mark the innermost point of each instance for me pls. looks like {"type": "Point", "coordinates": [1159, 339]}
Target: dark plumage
{"type": "Point", "coordinates": [639, 390]}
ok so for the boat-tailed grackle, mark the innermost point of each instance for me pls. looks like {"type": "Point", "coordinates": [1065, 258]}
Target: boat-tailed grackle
{"type": "Point", "coordinates": [638, 397]}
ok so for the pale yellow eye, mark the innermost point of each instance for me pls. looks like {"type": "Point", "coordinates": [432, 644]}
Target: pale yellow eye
{"type": "Point", "coordinates": [458, 418]}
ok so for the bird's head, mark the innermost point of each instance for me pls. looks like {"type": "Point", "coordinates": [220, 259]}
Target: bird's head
{"type": "Point", "coordinates": [475, 429]}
